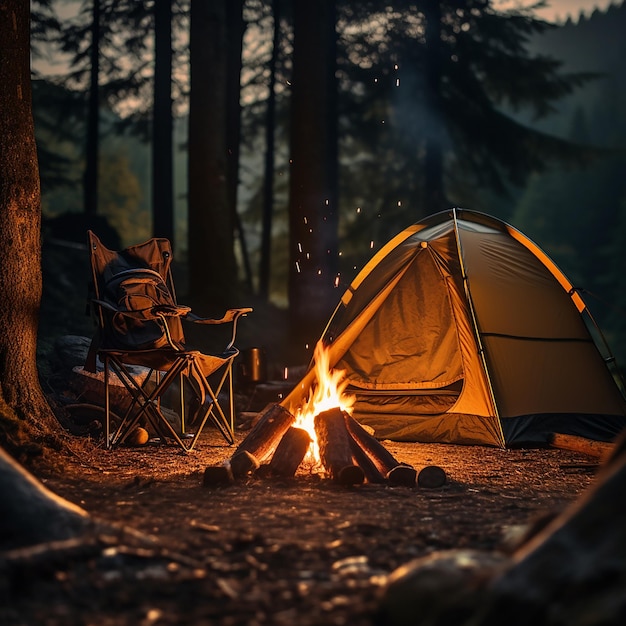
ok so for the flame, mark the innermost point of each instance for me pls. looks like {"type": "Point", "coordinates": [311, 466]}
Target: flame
{"type": "Point", "coordinates": [326, 392]}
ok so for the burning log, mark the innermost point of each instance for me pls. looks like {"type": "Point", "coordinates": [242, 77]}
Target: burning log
{"type": "Point", "coordinates": [334, 444]}
{"type": "Point", "coordinates": [261, 441]}
{"type": "Point", "coordinates": [386, 464]}
{"type": "Point", "coordinates": [290, 452]}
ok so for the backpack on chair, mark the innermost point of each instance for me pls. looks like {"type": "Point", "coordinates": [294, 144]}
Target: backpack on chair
{"type": "Point", "coordinates": [143, 313]}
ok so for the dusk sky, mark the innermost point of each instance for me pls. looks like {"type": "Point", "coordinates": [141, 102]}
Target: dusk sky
{"type": "Point", "coordinates": [559, 10]}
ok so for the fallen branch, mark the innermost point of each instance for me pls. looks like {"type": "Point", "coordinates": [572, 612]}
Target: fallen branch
{"type": "Point", "coordinates": [597, 449]}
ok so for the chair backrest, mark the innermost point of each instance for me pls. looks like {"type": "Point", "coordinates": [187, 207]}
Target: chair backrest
{"type": "Point", "coordinates": [128, 284]}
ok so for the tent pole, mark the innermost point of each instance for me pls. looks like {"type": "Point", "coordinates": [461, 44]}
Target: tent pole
{"type": "Point", "coordinates": [468, 295]}
{"type": "Point", "coordinates": [609, 359]}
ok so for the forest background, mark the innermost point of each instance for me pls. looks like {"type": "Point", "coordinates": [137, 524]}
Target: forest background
{"type": "Point", "coordinates": [572, 202]}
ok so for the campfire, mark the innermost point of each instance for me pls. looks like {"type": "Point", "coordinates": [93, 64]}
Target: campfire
{"type": "Point", "coordinates": [322, 438]}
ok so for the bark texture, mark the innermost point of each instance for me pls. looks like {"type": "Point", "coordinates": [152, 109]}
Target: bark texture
{"type": "Point", "coordinates": [20, 248]}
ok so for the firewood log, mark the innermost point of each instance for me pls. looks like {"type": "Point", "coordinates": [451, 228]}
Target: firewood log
{"type": "Point", "coordinates": [395, 472]}
{"type": "Point", "coordinates": [431, 477]}
{"type": "Point", "coordinates": [598, 449]}
{"type": "Point", "coordinates": [261, 441]}
{"type": "Point", "coordinates": [372, 475]}
{"type": "Point", "coordinates": [243, 463]}
{"type": "Point", "coordinates": [334, 444]}
{"type": "Point", "coordinates": [217, 475]}
{"type": "Point", "coordinates": [290, 452]}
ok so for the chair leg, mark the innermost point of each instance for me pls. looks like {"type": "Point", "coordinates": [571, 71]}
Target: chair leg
{"type": "Point", "coordinates": [107, 405]}
{"type": "Point", "coordinates": [214, 410]}
{"type": "Point", "coordinates": [181, 382]}
{"type": "Point", "coordinates": [231, 398]}
{"type": "Point", "coordinates": [147, 404]}
{"type": "Point", "coordinates": [144, 403]}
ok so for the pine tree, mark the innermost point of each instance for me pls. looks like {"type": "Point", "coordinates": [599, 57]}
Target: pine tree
{"type": "Point", "coordinates": [438, 90]}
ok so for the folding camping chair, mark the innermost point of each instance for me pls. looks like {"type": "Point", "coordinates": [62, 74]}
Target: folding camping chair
{"type": "Point", "coordinates": [139, 324]}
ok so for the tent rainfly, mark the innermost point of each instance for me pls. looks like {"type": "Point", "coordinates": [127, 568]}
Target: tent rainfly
{"type": "Point", "coordinates": [462, 330]}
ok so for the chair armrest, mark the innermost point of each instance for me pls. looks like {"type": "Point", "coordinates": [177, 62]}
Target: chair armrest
{"type": "Point", "coordinates": [230, 316]}
{"type": "Point", "coordinates": [152, 313]}
{"type": "Point", "coordinates": [168, 310]}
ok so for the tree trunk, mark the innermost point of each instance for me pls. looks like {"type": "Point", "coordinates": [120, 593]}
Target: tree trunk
{"type": "Point", "coordinates": [162, 129]}
{"type": "Point", "coordinates": [20, 261]}
{"type": "Point", "coordinates": [433, 172]}
{"type": "Point", "coordinates": [90, 183]}
{"type": "Point", "coordinates": [235, 27]}
{"type": "Point", "coordinates": [312, 186]}
{"type": "Point", "coordinates": [268, 168]}
{"type": "Point", "coordinates": [212, 267]}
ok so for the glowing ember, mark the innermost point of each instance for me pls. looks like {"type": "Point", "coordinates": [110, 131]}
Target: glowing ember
{"type": "Point", "coordinates": [327, 392]}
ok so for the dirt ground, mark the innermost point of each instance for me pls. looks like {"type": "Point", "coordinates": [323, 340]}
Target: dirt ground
{"type": "Point", "coordinates": [302, 551]}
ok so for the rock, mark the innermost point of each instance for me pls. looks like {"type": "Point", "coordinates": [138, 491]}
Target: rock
{"type": "Point", "coordinates": [440, 589]}
{"type": "Point", "coordinates": [69, 351]}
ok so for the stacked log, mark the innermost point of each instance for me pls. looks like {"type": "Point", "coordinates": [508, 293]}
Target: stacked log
{"type": "Point", "coordinates": [335, 451]}
{"type": "Point", "coordinates": [390, 469]}
{"type": "Point", "coordinates": [349, 454]}
{"type": "Point", "coordinates": [258, 445]}
{"type": "Point", "coordinates": [290, 452]}
{"type": "Point", "coordinates": [261, 441]}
